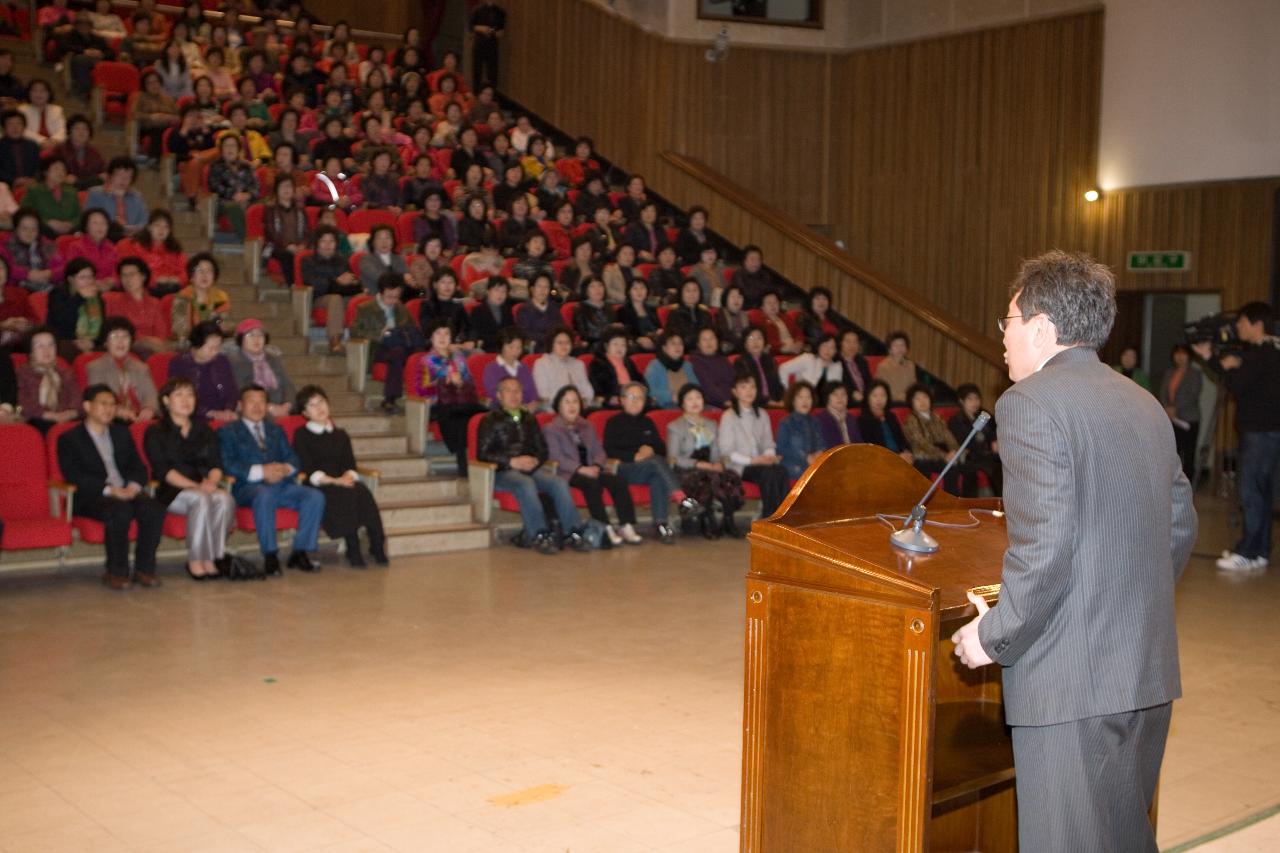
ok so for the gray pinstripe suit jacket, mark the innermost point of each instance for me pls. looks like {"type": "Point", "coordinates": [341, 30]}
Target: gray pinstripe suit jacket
{"type": "Point", "coordinates": [1100, 527]}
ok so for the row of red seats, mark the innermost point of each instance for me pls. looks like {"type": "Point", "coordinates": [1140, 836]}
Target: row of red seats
{"type": "Point", "coordinates": [34, 497]}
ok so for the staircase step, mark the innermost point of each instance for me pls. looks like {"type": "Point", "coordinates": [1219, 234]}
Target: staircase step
{"type": "Point", "coordinates": [395, 466]}
{"type": "Point", "coordinates": [435, 540]}
{"type": "Point", "coordinates": [330, 382]}
{"type": "Point", "coordinates": [414, 515]}
{"type": "Point", "coordinates": [291, 344]}
{"type": "Point", "coordinates": [243, 309]}
{"type": "Point", "coordinates": [373, 425]}
{"type": "Point", "coordinates": [418, 489]}
{"type": "Point", "coordinates": [321, 364]}
{"type": "Point", "coordinates": [274, 294]}
{"type": "Point", "coordinates": [279, 327]}
{"type": "Point", "coordinates": [365, 446]}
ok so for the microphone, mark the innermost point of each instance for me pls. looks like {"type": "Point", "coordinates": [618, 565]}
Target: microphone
{"type": "Point", "coordinates": [912, 536]}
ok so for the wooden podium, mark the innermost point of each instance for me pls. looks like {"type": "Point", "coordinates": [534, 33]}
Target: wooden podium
{"type": "Point", "coordinates": [861, 731]}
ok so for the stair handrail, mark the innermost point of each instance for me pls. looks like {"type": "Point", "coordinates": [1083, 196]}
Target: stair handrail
{"type": "Point", "coordinates": [919, 305]}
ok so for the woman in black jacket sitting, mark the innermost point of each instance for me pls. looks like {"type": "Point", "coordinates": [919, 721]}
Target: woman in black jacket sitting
{"type": "Point", "coordinates": [639, 316]}
{"type": "Point", "coordinates": [328, 464]}
{"type": "Point", "coordinates": [475, 230]}
{"type": "Point", "coordinates": [491, 316]}
{"type": "Point", "coordinates": [688, 318]}
{"type": "Point", "coordinates": [592, 315]}
{"type": "Point", "coordinates": [755, 360]}
{"type": "Point", "coordinates": [880, 426]}
{"type": "Point", "coordinates": [611, 368]}
{"type": "Point", "coordinates": [441, 305]}
{"type": "Point", "coordinates": [76, 310]}
{"type": "Point", "coordinates": [185, 458]}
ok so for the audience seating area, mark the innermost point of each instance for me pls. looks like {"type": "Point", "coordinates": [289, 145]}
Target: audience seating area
{"type": "Point", "coordinates": [298, 88]}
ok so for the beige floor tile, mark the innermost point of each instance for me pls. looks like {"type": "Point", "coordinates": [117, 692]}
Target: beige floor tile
{"type": "Point", "coordinates": [441, 832]}
{"type": "Point", "coordinates": [82, 836]}
{"type": "Point", "coordinates": [722, 841]}
{"type": "Point", "coordinates": [305, 831]}
{"type": "Point", "coordinates": [374, 813]}
{"type": "Point", "coordinates": [38, 810]}
{"type": "Point", "coordinates": [358, 845]}
{"type": "Point", "coordinates": [161, 818]}
{"type": "Point", "coordinates": [218, 841]}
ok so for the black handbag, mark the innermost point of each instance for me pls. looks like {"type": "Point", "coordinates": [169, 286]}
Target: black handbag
{"type": "Point", "coordinates": [238, 568]}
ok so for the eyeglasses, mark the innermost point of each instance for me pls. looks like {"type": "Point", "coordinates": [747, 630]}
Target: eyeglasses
{"type": "Point", "coordinates": [1003, 322]}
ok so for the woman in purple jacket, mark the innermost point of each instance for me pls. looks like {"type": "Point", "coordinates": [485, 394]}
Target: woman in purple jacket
{"type": "Point", "coordinates": [509, 364]}
{"type": "Point", "coordinates": [574, 445]}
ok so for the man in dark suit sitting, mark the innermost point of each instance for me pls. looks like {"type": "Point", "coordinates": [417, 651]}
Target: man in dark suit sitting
{"type": "Point", "coordinates": [1100, 526]}
{"type": "Point", "coordinates": [99, 458]}
{"type": "Point", "coordinates": [256, 452]}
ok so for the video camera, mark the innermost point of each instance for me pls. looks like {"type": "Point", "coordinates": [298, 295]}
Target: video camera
{"type": "Point", "coordinates": [1218, 329]}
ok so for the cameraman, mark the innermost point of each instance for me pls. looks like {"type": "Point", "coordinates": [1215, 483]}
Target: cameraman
{"type": "Point", "coordinates": [1253, 376]}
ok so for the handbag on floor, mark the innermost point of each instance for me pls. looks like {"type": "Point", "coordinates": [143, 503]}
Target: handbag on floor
{"type": "Point", "coordinates": [239, 568]}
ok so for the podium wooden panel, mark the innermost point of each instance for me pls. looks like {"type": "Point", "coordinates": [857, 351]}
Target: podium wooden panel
{"type": "Point", "coordinates": [861, 732]}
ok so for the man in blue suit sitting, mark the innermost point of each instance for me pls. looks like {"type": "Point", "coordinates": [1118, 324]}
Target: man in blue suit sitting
{"type": "Point", "coordinates": [256, 452]}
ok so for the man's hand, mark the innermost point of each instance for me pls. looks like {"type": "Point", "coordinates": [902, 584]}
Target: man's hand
{"type": "Point", "coordinates": [968, 646]}
{"type": "Point", "coordinates": [524, 463]}
{"type": "Point", "coordinates": [591, 471]}
{"type": "Point", "coordinates": [274, 472]}
{"type": "Point", "coordinates": [644, 453]}
{"type": "Point", "coordinates": [1230, 362]}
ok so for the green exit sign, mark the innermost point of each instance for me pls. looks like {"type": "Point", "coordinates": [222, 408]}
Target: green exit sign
{"type": "Point", "coordinates": [1159, 261]}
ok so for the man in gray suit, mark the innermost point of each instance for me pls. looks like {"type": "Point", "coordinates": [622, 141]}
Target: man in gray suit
{"type": "Point", "coordinates": [1100, 526]}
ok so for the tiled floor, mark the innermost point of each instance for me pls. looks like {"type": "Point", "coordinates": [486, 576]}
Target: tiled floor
{"type": "Point", "coordinates": [490, 701]}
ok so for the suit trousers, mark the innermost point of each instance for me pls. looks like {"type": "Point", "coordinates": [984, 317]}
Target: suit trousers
{"type": "Point", "coordinates": [394, 357]}
{"type": "Point", "coordinates": [1086, 786]}
{"type": "Point", "coordinates": [266, 498]}
{"type": "Point", "coordinates": [116, 517]}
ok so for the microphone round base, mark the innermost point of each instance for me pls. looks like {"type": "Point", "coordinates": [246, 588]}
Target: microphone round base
{"type": "Point", "coordinates": [914, 539]}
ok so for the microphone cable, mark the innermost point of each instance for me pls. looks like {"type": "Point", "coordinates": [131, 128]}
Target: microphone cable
{"type": "Point", "coordinates": [975, 521]}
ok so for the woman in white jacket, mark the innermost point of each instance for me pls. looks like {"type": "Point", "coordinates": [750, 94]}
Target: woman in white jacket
{"type": "Point", "coordinates": [559, 368]}
{"type": "Point", "coordinates": [817, 368]}
{"type": "Point", "coordinates": [46, 124]}
{"type": "Point", "coordinates": [747, 445]}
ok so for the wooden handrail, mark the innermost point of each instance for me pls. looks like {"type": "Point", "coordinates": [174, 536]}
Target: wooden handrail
{"type": "Point", "coordinates": [923, 308]}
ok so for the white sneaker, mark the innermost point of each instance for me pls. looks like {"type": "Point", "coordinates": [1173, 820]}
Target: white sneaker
{"type": "Point", "coordinates": [630, 536]}
{"type": "Point", "coordinates": [614, 537]}
{"type": "Point", "coordinates": [1233, 562]}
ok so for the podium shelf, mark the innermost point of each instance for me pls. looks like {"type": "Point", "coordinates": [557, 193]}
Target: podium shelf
{"type": "Point", "coordinates": [973, 749]}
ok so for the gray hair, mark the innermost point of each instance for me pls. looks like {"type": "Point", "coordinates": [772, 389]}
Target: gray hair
{"type": "Point", "coordinates": [1074, 291]}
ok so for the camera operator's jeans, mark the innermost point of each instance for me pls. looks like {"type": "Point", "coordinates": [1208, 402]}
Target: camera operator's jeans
{"type": "Point", "coordinates": [1258, 467]}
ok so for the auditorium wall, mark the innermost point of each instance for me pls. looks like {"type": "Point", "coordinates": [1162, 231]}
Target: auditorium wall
{"type": "Point", "coordinates": [940, 163]}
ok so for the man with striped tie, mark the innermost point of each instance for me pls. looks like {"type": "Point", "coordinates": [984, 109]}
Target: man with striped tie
{"type": "Point", "coordinates": [1100, 525]}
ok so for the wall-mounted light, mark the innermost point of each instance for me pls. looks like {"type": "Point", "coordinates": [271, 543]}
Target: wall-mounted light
{"type": "Point", "coordinates": [1092, 195]}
